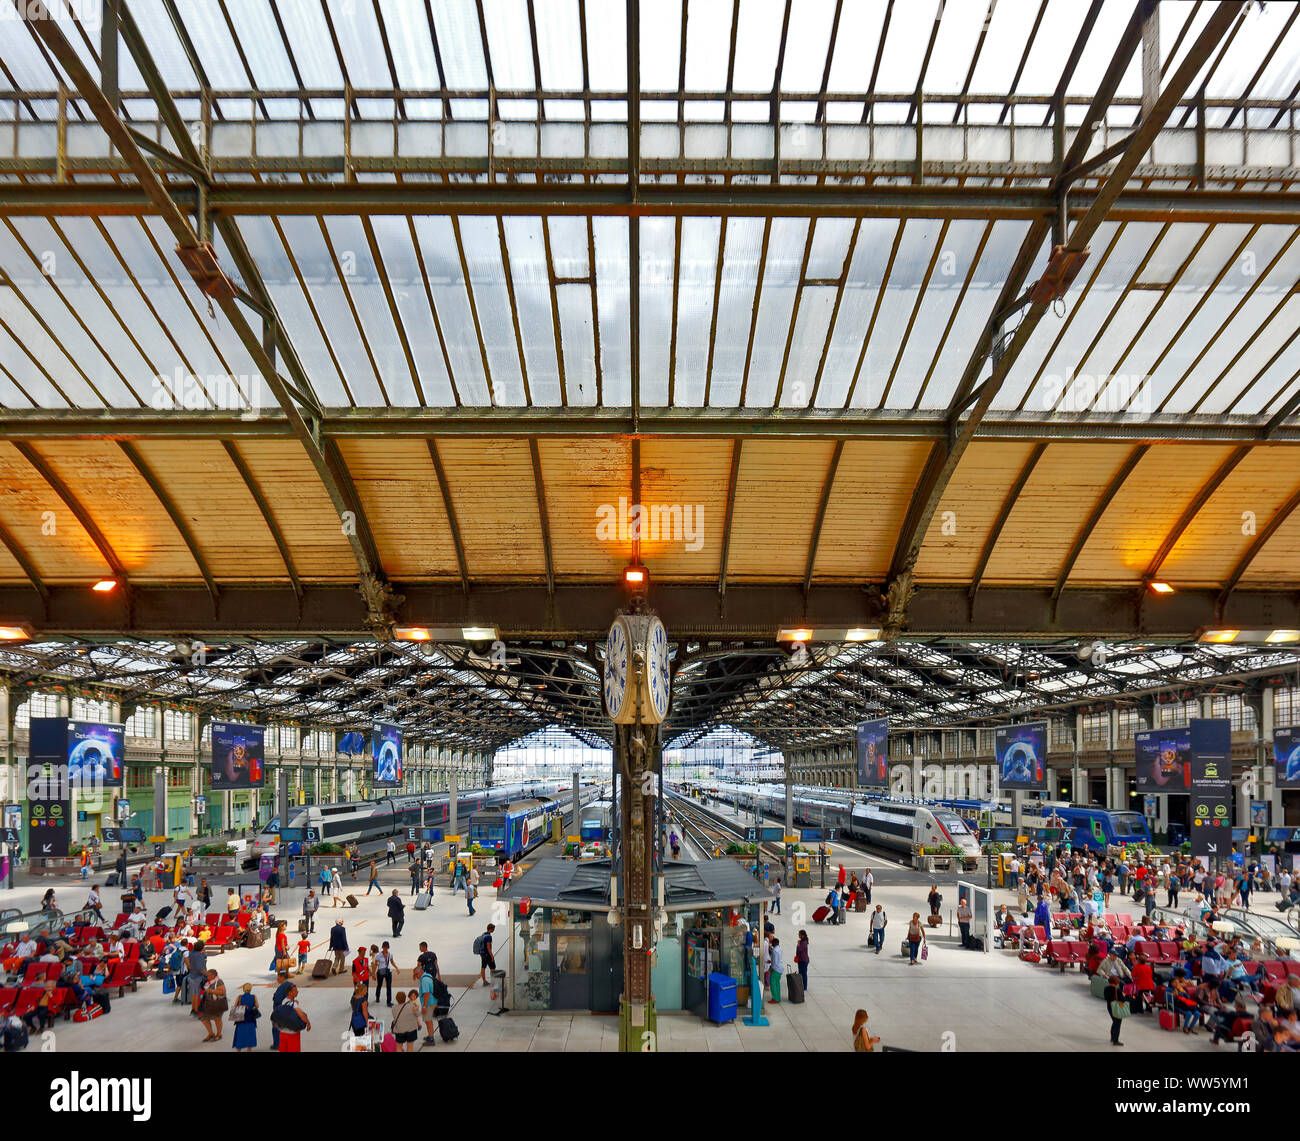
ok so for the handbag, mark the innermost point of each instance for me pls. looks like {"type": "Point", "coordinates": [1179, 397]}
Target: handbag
{"type": "Point", "coordinates": [1120, 1010]}
{"type": "Point", "coordinates": [168, 984]}
{"type": "Point", "coordinates": [287, 1019]}
{"type": "Point", "coordinates": [238, 1014]}
{"type": "Point", "coordinates": [925, 950]}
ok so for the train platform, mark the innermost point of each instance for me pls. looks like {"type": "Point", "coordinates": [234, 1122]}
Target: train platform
{"type": "Point", "coordinates": [956, 1000]}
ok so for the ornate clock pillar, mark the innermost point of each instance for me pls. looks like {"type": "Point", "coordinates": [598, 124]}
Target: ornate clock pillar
{"type": "Point", "coordinates": [636, 688]}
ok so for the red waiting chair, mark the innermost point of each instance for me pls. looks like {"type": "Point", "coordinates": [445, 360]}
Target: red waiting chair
{"type": "Point", "coordinates": [122, 976]}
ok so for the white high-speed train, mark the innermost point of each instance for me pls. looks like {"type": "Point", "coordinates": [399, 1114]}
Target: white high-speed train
{"type": "Point", "coordinates": [354, 821]}
{"type": "Point", "coordinates": [883, 821]}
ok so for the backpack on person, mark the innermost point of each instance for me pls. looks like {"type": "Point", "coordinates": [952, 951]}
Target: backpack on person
{"type": "Point", "coordinates": [480, 944]}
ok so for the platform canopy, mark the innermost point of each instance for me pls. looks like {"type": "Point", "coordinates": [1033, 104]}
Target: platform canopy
{"type": "Point", "coordinates": [324, 319]}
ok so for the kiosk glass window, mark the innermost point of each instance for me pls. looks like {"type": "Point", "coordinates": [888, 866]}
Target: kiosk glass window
{"type": "Point", "coordinates": [532, 960]}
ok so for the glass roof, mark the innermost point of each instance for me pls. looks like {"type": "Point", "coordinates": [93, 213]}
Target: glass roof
{"type": "Point", "coordinates": [785, 311]}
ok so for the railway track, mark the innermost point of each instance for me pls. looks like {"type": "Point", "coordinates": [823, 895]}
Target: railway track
{"type": "Point", "coordinates": [712, 834]}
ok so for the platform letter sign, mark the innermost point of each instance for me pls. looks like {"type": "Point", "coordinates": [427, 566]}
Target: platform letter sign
{"type": "Point", "coordinates": [1021, 755]}
{"type": "Point", "coordinates": [1163, 760]}
{"type": "Point", "coordinates": [1210, 807]}
{"type": "Point", "coordinates": [873, 753]}
{"type": "Point", "coordinates": [49, 792]}
{"type": "Point", "coordinates": [1286, 758]}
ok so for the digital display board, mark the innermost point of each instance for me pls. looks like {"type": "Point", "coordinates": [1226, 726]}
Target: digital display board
{"type": "Point", "coordinates": [95, 754]}
{"type": "Point", "coordinates": [1163, 760]}
{"type": "Point", "coordinates": [1020, 752]}
{"type": "Point", "coordinates": [386, 756]}
{"type": "Point", "coordinates": [238, 756]}
{"type": "Point", "coordinates": [873, 753]}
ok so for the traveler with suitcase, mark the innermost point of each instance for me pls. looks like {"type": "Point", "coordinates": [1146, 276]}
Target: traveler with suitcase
{"type": "Point", "coordinates": [310, 905]}
{"type": "Point", "coordinates": [916, 941]}
{"type": "Point", "coordinates": [338, 946]}
{"type": "Point", "coordinates": [934, 899]}
{"type": "Point", "coordinates": [879, 921]}
{"type": "Point", "coordinates": [416, 879]}
{"type": "Point", "coordinates": [428, 1006]}
{"type": "Point", "coordinates": [801, 962]}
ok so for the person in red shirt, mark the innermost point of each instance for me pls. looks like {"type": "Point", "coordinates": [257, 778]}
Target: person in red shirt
{"type": "Point", "coordinates": [304, 945]}
{"type": "Point", "coordinates": [1144, 983]}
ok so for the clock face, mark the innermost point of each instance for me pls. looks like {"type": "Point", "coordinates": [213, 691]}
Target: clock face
{"type": "Point", "coordinates": [616, 655]}
{"type": "Point", "coordinates": [657, 675]}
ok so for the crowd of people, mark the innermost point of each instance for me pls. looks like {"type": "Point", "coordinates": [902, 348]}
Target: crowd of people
{"type": "Point", "coordinates": [1216, 983]}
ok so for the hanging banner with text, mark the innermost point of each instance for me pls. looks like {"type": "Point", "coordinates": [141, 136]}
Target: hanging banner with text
{"type": "Point", "coordinates": [873, 753]}
{"type": "Point", "coordinates": [49, 791]}
{"type": "Point", "coordinates": [1021, 755]}
{"type": "Point", "coordinates": [1210, 805]}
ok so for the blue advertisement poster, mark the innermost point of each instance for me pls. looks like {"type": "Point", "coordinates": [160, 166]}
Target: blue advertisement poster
{"type": "Point", "coordinates": [1286, 758]}
{"type": "Point", "coordinates": [95, 755]}
{"type": "Point", "coordinates": [1021, 755]}
{"type": "Point", "coordinates": [386, 755]}
{"type": "Point", "coordinates": [238, 757]}
{"type": "Point", "coordinates": [1163, 760]}
{"type": "Point", "coordinates": [873, 753]}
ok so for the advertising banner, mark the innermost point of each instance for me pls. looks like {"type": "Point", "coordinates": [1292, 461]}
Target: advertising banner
{"type": "Point", "coordinates": [1021, 755]}
{"type": "Point", "coordinates": [238, 756]}
{"type": "Point", "coordinates": [1286, 758]}
{"type": "Point", "coordinates": [873, 753]}
{"type": "Point", "coordinates": [95, 755]}
{"type": "Point", "coordinates": [1163, 761]}
{"type": "Point", "coordinates": [386, 756]}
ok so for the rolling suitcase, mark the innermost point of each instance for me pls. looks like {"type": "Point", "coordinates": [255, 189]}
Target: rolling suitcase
{"type": "Point", "coordinates": [842, 914]}
{"type": "Point", "coordinates": [934, 920]}
{"type": "Point", "coordinates": [422, 901]}
{"type": "Point", "coordinates": [1166, 1020]}
{"type": "Point", "coordinates": [112, 880]}
{"type": "Point", "coordinates": [322, 969]}
{"type": "Point", "coordinates": [860, 903]}
{"type": "Point", "coordinates": [794, 988]}
{"type": "Point", "coordinates": [821, 914]}
{"type": "Point", "coordinates": [352, 900]}
{"type": "Point", "coordinates": [448, 1030]}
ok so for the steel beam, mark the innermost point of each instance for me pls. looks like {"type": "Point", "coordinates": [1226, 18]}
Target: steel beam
{"type": "Point", "coordinates": [449, 506]}
{"type": "Point", "coordinates": [1280, 516]}
{"type": "Point", "coordinates": [709, 423]}
{"type": "Point", "coordinates": [79, 512]}
{"type": "Point", "coordinates": [694, 612]}
{"type": "Point", "coordinates": [982, 203]}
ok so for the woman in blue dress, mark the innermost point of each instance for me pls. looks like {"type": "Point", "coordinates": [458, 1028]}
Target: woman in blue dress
{"type": "Point", "coordinates": [246, 1028]}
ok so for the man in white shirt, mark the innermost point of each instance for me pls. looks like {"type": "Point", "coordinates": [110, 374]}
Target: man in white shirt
{"type": "Point", "coordinates": [26, 947]}
{"type": "Point", "coordinates": [878, 922]}
{"type": "Point", "coordinates": [964, 916]}
{"type": "Point", "coordinates": [867, 880]}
